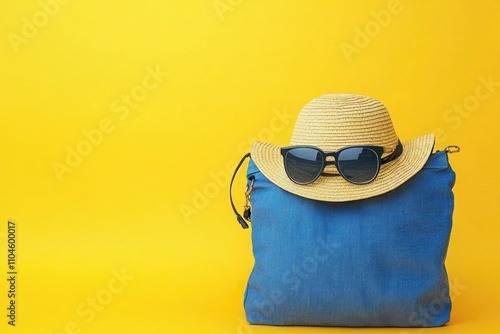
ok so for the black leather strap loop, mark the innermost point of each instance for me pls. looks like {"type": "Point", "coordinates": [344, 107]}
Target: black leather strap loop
{"type": "Point", "coordinates": [239, 218]}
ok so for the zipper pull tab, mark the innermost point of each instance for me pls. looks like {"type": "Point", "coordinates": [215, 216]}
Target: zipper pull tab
{"type": "Point", "coordinates": [247, 212]}
{"type": "Point", "coordinates": [247, 209]}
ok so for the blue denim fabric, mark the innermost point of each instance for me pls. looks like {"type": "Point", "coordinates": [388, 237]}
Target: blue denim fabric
{"type": "Point", "coordinates": [377, 262]}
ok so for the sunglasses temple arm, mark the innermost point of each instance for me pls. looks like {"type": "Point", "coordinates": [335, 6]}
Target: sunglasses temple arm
{"type": "Point", "coordinates": [397, 152]}
{"type": "Point", "coordinates": [239, 218]}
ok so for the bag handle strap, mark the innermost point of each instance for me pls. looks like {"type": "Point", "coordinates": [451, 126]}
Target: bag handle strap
{"type": "Point", "coordinates": [246, 214]}
{"type": "Point", "coordinates": [452, 149]}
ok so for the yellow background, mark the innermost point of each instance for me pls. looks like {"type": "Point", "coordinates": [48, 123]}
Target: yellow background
{"type": "Point", "coordinates": [149, 199]}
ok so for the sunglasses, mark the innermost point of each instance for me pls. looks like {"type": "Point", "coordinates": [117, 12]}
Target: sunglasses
{"type": "Point", "coordinates": [356, 164]}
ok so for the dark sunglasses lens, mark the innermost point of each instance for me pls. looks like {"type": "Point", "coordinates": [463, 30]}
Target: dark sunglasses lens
{"type": "Point", "coordinates": [358, 165]}
{"type": "Point", "coordinates": [303, 165]}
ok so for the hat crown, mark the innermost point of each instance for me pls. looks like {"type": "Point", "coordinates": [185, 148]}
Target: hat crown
{"type": "Point", "coordinates": [333, 121]}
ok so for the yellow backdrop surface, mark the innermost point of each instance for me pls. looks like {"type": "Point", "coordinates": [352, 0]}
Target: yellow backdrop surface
{"type": "Point", "coordinates": [120, 123]}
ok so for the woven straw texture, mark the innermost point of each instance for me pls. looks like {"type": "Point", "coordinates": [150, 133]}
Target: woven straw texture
{"type": "Point", "coordinates": [331, 122]}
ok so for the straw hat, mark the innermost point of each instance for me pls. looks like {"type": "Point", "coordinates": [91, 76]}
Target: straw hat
{"type": "Point", "coordinates": [332, 122]}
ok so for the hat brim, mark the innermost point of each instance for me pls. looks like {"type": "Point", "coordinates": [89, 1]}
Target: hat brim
{"type": "Point", "coordinates": [415, 154]}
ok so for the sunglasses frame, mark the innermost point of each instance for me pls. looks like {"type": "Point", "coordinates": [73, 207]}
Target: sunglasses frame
{"type": "Point", "coordinates": [378, 150]}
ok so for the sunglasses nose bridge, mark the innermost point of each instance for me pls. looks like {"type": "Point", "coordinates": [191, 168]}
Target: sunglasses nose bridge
{"type": "Point", "coordinates": [329, 159]}
{"type": "Point", "coordinates": [330, 164]}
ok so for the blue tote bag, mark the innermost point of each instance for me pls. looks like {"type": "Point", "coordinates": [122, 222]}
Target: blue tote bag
{"type": "Point", "coordinates": [377, 262]}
